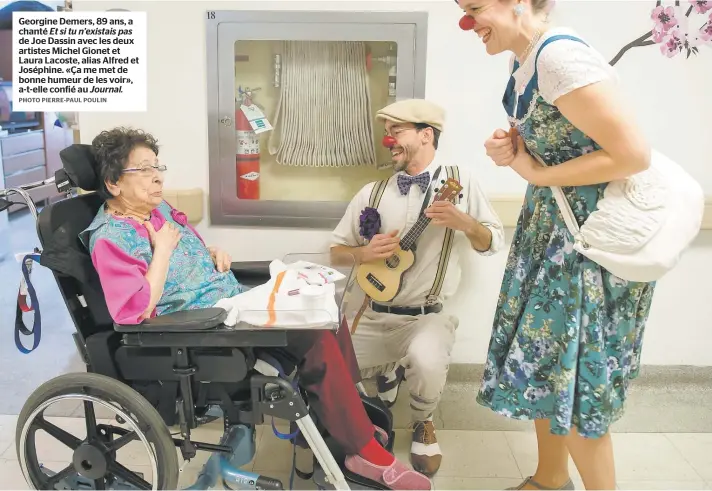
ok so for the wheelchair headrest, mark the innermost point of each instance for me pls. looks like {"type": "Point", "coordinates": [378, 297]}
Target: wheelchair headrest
{"type": "Point", "coordinates": [81, 166]}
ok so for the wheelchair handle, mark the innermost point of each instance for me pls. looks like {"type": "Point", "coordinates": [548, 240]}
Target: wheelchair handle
{"type": "Point", "coordinates": [22, 192]}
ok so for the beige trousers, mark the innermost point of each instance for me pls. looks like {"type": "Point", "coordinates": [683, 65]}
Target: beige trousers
{"type": "Point", "coordinates": [422, 344]}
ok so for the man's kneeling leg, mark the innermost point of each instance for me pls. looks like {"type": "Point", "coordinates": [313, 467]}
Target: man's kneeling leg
{"type": "Point", "coordinates": [427, 362]}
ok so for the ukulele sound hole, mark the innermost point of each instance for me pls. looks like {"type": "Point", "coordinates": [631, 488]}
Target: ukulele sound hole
{"type": "Point", "coordinates": [393, 261]}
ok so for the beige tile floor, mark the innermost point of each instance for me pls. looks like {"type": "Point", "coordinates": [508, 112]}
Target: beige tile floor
{"type": "Point", "coordinates": [472, 459]}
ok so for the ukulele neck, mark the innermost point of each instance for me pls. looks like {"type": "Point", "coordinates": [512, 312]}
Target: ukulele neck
{"type": "Point", "coordinates": [411, 237]}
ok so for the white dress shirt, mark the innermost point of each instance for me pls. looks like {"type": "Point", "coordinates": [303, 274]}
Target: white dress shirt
{"type": "Point", "coordinates": [400, 212]}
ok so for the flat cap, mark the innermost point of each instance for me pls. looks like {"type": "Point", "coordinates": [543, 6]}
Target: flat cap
{"type": "Point", "coordinates": [414, 111]}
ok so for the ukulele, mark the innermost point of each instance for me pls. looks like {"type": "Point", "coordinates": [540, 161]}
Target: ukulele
{"type": "Point", "coordinates": [382, 279]}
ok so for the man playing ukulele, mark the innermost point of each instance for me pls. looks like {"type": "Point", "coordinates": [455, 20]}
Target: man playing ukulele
{"type": "Point", "coordinates": [411, 329]}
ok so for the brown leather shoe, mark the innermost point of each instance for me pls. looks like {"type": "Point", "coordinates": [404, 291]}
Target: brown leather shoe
{"type": "Point", "coordinates": [425, 454]}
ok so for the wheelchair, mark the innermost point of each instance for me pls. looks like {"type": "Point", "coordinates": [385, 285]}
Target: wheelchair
{"type": "Point", "coordinates": [180, 370]}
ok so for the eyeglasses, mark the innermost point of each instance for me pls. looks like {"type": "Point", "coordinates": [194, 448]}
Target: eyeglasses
{"type": "Point", "coordinates": [148, 170]}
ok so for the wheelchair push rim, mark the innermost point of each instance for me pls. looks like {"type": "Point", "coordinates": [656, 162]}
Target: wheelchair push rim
{"type": "Point", "coordinates": [94, 460]}
{"type": "Point", "coordinates": [85, 398]}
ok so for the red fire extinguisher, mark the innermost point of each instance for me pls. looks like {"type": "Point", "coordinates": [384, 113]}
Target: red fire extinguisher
{"type": "Point", "coordinates": [247, 159]}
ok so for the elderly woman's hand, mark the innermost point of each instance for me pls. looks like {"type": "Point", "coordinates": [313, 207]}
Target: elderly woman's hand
{"type": "Point", "coordinates": [221, 259]}
{"type": "Point", "coordinates": [165, 239]}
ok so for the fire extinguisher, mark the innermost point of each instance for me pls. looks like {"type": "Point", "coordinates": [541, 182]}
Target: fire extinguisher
{"type": "Point", "coordinates": [247, 159]}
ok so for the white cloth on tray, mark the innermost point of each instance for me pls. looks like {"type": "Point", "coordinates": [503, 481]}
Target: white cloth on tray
{"type": "Point", "coordinates": [293, 306]}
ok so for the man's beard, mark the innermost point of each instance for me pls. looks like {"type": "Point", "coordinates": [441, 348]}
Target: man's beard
{"type": "Point", "coordinates": [403, 162]}
{"type": "Point", "coordinates": [400, 166]}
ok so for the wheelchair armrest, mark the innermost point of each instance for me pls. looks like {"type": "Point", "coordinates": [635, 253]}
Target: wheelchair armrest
{"type": "Point", "coordinates": [185, 321]}
{"type": "Point", "coordinates": [251, 273]}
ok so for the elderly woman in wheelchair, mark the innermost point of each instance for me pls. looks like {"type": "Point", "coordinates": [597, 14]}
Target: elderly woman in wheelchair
{"type": "Point", "coordinates": [152, 266]}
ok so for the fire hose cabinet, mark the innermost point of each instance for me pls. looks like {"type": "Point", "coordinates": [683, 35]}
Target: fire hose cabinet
{"type": "Point", "coordinates": [292, 98]}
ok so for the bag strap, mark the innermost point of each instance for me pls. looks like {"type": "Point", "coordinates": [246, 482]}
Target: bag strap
{"type": "Point", "coordinates": [566, 212]}
{"type": "Point", "coordinates": [452, 172]}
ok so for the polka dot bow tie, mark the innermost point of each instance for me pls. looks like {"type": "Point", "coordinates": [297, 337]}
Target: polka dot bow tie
{"type": "Point", "coordinates": [405, 182]}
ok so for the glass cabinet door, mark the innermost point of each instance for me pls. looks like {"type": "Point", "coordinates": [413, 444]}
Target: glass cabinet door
{"type": "Point", "coordinates": [293, 135]}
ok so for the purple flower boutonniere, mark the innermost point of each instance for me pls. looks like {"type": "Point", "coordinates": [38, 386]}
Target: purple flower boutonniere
{"type": "Point", "coordinates": [369, 223]}
{"type": "Point", "coordinates": [179, 217]}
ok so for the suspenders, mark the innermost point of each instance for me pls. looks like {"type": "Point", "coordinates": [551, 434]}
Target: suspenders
{"type": "Point", "coordinates": [375, 199]}
{"type": "Point", "coordinates": [377, 193]}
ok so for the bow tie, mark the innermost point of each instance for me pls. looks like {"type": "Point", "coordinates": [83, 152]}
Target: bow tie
{"type": "Point", "coordinates": [405, 182]}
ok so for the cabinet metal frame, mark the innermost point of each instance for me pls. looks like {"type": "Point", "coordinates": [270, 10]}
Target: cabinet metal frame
{"type": "Point", "coordinates": [291, 214]}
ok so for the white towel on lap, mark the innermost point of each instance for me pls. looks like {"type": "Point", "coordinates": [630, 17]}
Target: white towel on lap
{"type": "Point", "coordinates": [298, 295]}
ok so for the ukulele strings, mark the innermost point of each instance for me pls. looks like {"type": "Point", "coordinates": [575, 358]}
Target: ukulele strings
{"type": "Point", "coordinates": [420, 225]}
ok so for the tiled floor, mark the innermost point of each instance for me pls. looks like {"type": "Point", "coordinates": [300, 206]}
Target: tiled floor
{"type": "Point", "coordinates": [472, 459]}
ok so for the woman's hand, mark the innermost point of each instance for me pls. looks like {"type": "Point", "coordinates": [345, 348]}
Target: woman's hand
{"type": "Point", "coordinates": [166, 239]}
{"type": "Point", "coordinates": [505, 154]}
{"type": "Point", "coordinates": [500, 149]}
{"type": "Point", "coordinates": [222, 259]}
{"type": "Point", "coordinates": [525, 165]}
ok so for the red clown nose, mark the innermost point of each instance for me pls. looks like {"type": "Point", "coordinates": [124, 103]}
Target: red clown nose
{"type": "Point", "coordinates": [389, 141]}
{"type": "Point", "coordinates": [467, 23]}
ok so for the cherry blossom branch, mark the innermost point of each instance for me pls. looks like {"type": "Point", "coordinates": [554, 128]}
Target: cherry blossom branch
{"type": "Point", "coordinates": [634, 44]}
{"type": "Point", "coordinates": [644, 39]}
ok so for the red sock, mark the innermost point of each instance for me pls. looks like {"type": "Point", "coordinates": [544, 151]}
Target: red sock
{"type": "Point", "coordinates": [376, 454]}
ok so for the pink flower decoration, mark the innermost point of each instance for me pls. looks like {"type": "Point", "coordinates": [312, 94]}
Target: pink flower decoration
{"type": "Point", "coordinates": [706, 31]}
{"type": "Point", "coordinates": [701, 6]}
{"type": "Point", "coordinates": [664, 17]}
{"type": "Point", "coordinates": [179, 217]}
{"type": "Point", "coordinates": [659, 34]}
{"type": "Point", "coordinates": [673, 45]}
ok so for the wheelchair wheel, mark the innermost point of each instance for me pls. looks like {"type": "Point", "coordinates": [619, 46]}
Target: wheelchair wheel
{"type": "Point", "coordinates": [94, 463]}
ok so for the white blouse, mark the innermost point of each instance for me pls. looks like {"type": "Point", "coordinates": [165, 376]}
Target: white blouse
{"type": "Point", "coordinates": [563, 66]}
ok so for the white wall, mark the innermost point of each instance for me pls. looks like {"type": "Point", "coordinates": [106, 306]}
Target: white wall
{"type": "Point", "coordinates": [469, 84]}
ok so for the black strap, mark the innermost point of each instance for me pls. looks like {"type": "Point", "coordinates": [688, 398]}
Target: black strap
{"type": "Point", "coordinates": [429, 193]}
{"type": "Point", "coordinates": [20, 327]}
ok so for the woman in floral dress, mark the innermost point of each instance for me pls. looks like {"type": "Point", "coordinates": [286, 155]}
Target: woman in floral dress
{"type": "Point", "coordinates": [567, 334]}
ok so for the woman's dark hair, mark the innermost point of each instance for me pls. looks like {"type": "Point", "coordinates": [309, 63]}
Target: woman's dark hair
{"type": "Point", "coordinates": [112, 149]}
{"type": "Point", "coordinates": [436, 132]}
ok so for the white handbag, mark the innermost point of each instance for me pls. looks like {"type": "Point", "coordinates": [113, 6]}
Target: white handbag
{"type": "Point", "coordinates": [642, 224]}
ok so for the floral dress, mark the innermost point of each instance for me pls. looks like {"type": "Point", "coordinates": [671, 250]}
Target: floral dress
{"type": "Point", "coordinates": [567, 334]}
